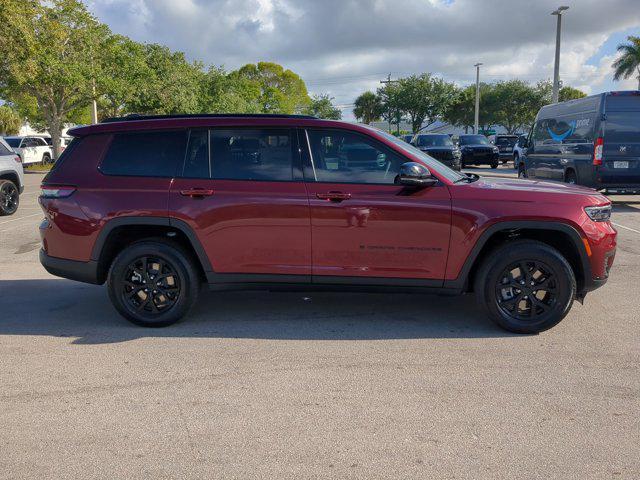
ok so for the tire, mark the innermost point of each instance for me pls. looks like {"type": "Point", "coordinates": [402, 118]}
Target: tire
{"type": "Point", "coordinates": [522, 172]}
{"type": "Point", "coordinates": [494, 165]}
{"type": "Point", "coordinates": [570, 177]}
{"type": "Point", "coordinates": [516, 159]}
{"type": "Point", "coordinates": [46, 159]}
{"type": "Point", "coordinates": [509, 302]}
{"type": "Point", "coordinates": [177, 290]}
{"type": "Point", "coordinates": [9, 198]}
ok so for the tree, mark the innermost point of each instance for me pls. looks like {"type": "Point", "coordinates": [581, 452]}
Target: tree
{"type": "Point", "coordinates": [368, 107]}
{"type": "Point", "coordinates": [570, 93]}
{"type": "Point", "coordinates": [461, 111]}
{"type": "Point", "coordinates": [280, 90]}
{"type": "Point", "coordinates": [424, 98]}
{"type": "Point", "coordinates": [51, 54]}
{"type": "Point", "coordinates": [628, 63]}
{"type": "Point", "coordinates": [322, 107]}
{"type": "Point", "coordinates": [10, 121]}
{"type": "Point", "coordinates": [229, 93]}
{"type": "Point", "coordinates": [515, 105]}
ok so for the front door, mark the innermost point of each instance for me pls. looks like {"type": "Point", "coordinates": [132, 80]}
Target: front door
{"type": "Point", "coordinates": [365, 226]}
{"type": "Point", "coordinates": [241, 192]}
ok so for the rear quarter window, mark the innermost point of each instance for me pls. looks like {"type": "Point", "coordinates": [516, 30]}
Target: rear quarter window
{"type": "Point", "coordinates": [145, 154]}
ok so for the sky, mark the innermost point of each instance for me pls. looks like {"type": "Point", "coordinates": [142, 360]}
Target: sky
{"type": "Point", "coordinates": [345, 47]}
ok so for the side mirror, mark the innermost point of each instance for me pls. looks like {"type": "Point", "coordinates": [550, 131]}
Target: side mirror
{"type": "Point", "coordinates": [414, 174]}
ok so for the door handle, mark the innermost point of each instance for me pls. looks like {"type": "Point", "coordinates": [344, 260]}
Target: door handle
{"type": "Point", "coordinates": [196, 192]}
{"type": "Point", "coordinates": [334, 196]}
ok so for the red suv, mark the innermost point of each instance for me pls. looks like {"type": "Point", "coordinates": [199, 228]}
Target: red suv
{"type": "Point", "coordinates": [157, 206]}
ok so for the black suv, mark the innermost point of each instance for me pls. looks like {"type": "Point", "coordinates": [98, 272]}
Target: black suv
{"type": "Point", "coordinates": [476, 150]}
{"type": "Point", "coordinates": [440, 147]}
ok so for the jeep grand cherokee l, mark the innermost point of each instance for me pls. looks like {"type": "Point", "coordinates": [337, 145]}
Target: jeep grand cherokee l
{"type": "Point", "coordinates": [476, 150]}
{"type": "Point", "coordinates": [440, 147]}
{"type": "Point", "coordinates": [157, 206]}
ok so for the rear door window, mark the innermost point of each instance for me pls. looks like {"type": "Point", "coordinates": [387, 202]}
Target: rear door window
{"type": "Point", "coordinates": [622, 127]}
{"type": "Point", "coordinates": [252, 154]}
{"type": "Point", "coordinates": [148, 154]}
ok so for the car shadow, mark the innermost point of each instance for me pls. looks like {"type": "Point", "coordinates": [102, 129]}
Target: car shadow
{"type": "Point", "coordinates": [626, 207]}
{"type": "Point", "coordinates": [62, 308]}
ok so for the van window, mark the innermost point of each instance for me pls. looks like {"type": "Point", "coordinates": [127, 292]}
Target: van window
{"type": "Point", "coordinates": [149, 154]}
{"type": "Point", "coordinates": [569, 129]}
{"type": "Point", "coordinates": [622, 127]}
{"type": "Point", "coordinates": [252, 154]}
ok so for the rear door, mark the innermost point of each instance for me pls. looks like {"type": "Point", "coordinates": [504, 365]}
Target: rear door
{"type": "Point", "coordinates": [365, 229]}
{"type": "Point", "coordinates": [29, 150]}
{"type": "Point", "coordinates": [241, 192]}
{"type": "Point", "coordinates": [621, 147]}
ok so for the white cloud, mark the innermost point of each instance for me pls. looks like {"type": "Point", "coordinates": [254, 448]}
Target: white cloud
{"type": "Point", "coordinates": [343, 47]}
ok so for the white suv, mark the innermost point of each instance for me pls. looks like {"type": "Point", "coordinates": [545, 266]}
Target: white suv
{"type": "Point", "coordinates": [11, 179]}
{"type": "Point", "coordinates": [31, 149]}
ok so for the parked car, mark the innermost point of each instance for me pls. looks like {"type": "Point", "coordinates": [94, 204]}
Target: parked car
{"type": "Point", "coordinates": [64, 142]}
{"type": "Point", "coordinates": [505, 144]}
{"type": "Point", "coordinates": [31, 149]}
{"type": "Point", "coordinates": [592, 141]}
{"type": "Point", "coordinates": [440, 147]}
{"type": "Point", "coordinates": [519, 150]}
{"type": "Point", "coordinates": [407, 138]}
{"type": "Point", "coordinates": [11, 179]}
{"type": "Point", "coordinates": [156, 206]}
{"type": "Point", "coordinates": [476, 150]}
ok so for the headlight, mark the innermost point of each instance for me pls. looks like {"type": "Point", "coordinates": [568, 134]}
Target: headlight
{"type": "Point", "coordinates": [495, 149]}
{"type": "Point", "coordinates": [599, 214]}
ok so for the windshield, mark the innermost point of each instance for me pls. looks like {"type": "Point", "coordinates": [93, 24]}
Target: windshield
{"type": "Point", "coordinates": [434, 141]}
{"type": "Point", "coordinates": [13, 142]}
{"type": "Point", "coordinates": [473, 140]}
{"type": "Point", "coordinates": [506, 141]}
{"type": "Point", "coordinates": [430, 162]}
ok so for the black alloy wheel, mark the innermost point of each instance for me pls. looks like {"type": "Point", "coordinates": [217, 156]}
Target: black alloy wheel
{"type": "Point", "coordinates": [526, 290]}
{"type": "Point", "coordinates": [9, 197]}
{"type": "Point", "coordinates": [150, 286]}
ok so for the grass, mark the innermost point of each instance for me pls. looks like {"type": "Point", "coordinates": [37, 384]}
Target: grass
{"type": "Point", "coordinates": [37, 167]}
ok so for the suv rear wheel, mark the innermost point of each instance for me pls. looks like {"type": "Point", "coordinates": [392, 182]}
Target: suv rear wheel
{"type": "Point", "coordinates": [526, 286]}
{"type": "Point", "coordinates": [9, 197]}
{"type": "Point", "coordinates": [153, 283]}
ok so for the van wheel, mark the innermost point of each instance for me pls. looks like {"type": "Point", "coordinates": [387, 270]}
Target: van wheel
{"type": "Point", "coordinates": [9, 197]}
{"type": "Point", "coordinates": [516, 159]}
{"type": "Point", "coordinates": [526, 286]}
{"type": "Point", "coordinates": [153, 283]}
{"type": "Point", "coordinates": [570, 177]}
{"type": "Point", "coordinates": [522, 172]}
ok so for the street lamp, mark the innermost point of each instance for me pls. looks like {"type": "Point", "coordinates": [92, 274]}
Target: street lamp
{"type": "Point", "coordinates": [556, 67]}
{"type": "Point", "coordinates": [477, 115]}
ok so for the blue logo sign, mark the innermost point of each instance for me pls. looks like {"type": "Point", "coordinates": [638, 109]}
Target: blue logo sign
{"type": "Point", "coordinates": [559, 137]}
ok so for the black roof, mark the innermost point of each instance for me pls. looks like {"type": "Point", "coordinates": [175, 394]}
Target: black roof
{"type": "Point", "coordinates": [135, 116]}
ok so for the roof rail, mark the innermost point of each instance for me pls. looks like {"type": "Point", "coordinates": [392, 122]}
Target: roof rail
{"type": "Point", "coordinates": [136, 116]}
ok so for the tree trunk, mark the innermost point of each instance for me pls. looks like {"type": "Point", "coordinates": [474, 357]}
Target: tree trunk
{"type": "Point", "coordinates": [55, 130]}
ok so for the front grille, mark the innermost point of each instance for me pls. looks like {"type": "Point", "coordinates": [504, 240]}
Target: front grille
{"type": "Point", "coordinates": [443, 155]}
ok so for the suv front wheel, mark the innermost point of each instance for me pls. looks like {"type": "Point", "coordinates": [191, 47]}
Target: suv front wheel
{"type": "Point", "coordinates": [153, 283]}
{"type": "Point", "coordinates": [526, 286]}
{"type": "Point", "coordinates": [9, 197]}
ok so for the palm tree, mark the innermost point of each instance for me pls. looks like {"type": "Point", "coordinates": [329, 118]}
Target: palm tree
{"type": "Point", "coordinates": [629, 62]}
{"type": "Point", "coordinates": [368, 107]}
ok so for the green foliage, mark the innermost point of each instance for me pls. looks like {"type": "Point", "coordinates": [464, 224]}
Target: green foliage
{"type": "Point", "coordinates": [322, 107]}
{"type": "Point", "coordinates": [368, 107]}
{"type": "Point", "coordinates": [10, 121]}
{"type": "Point", "coordinates": [515, 104]}
{"type": "Point", "coordinates": [280, 90]}
{"type": "Point", "coordinates": [628, 63]}
{"type": "Point", "coordinates": [570, 93]}
{"type": "Point", "coordinates": [424, 98]}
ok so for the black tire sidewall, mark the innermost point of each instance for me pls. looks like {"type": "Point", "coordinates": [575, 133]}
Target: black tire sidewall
{"type": "Point", "coordinates": [179, 260]}
{"type": "Point", "coordinates": [519, 251]}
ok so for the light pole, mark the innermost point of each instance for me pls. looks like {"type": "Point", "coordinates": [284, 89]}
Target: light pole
{"type": "Point", "coordinates": [556, 67]}
{"type": "Point", "coordinates": [477, 115]}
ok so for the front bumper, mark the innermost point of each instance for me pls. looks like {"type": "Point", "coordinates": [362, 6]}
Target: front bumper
{"type": "Point", "coordinates": [86, 272]}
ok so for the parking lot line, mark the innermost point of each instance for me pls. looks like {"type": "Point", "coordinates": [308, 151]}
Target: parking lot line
{"type": "Point", "coordinates": [16, 219]}
{"type": "Point", "coordinates": [626, 228]}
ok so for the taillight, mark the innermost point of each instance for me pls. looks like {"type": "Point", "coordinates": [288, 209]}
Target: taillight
{"type": "Point", "coordinates": [597, 151]}
{"type": "Point", "coordinates": [57, 191]}
{"type": "Point", "coordinates": [18, 159]}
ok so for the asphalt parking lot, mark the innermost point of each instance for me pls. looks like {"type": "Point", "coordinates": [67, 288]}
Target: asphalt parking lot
{"type": "Point", "coordinates": [291, 385]}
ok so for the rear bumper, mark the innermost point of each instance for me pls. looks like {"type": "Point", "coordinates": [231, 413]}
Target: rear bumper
{"type": "Point", "coordinates": [86, 272]}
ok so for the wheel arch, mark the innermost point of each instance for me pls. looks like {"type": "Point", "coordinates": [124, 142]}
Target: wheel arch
{"type": "Point", "coordinates": [122, 231]}
{"type": "Point", "coordinates": [561, 236]}
{"type": "Point", "coordinates": [10, 175]}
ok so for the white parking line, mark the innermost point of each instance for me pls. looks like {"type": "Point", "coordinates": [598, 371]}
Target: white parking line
{"type": "Point", "coordinates": [626, 228]}
{"type": "Point", "coordinates": [16, 219]}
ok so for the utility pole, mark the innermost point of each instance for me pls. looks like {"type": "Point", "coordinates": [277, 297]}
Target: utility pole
{"type": "Point", "coordinates": [476, 122]}
{"type": "Point", "coordinates": [388, 81]}
{"type": "Point", "coordinates": [94, 105]}
{"type": "Point", "coordinates": [556, 66]}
